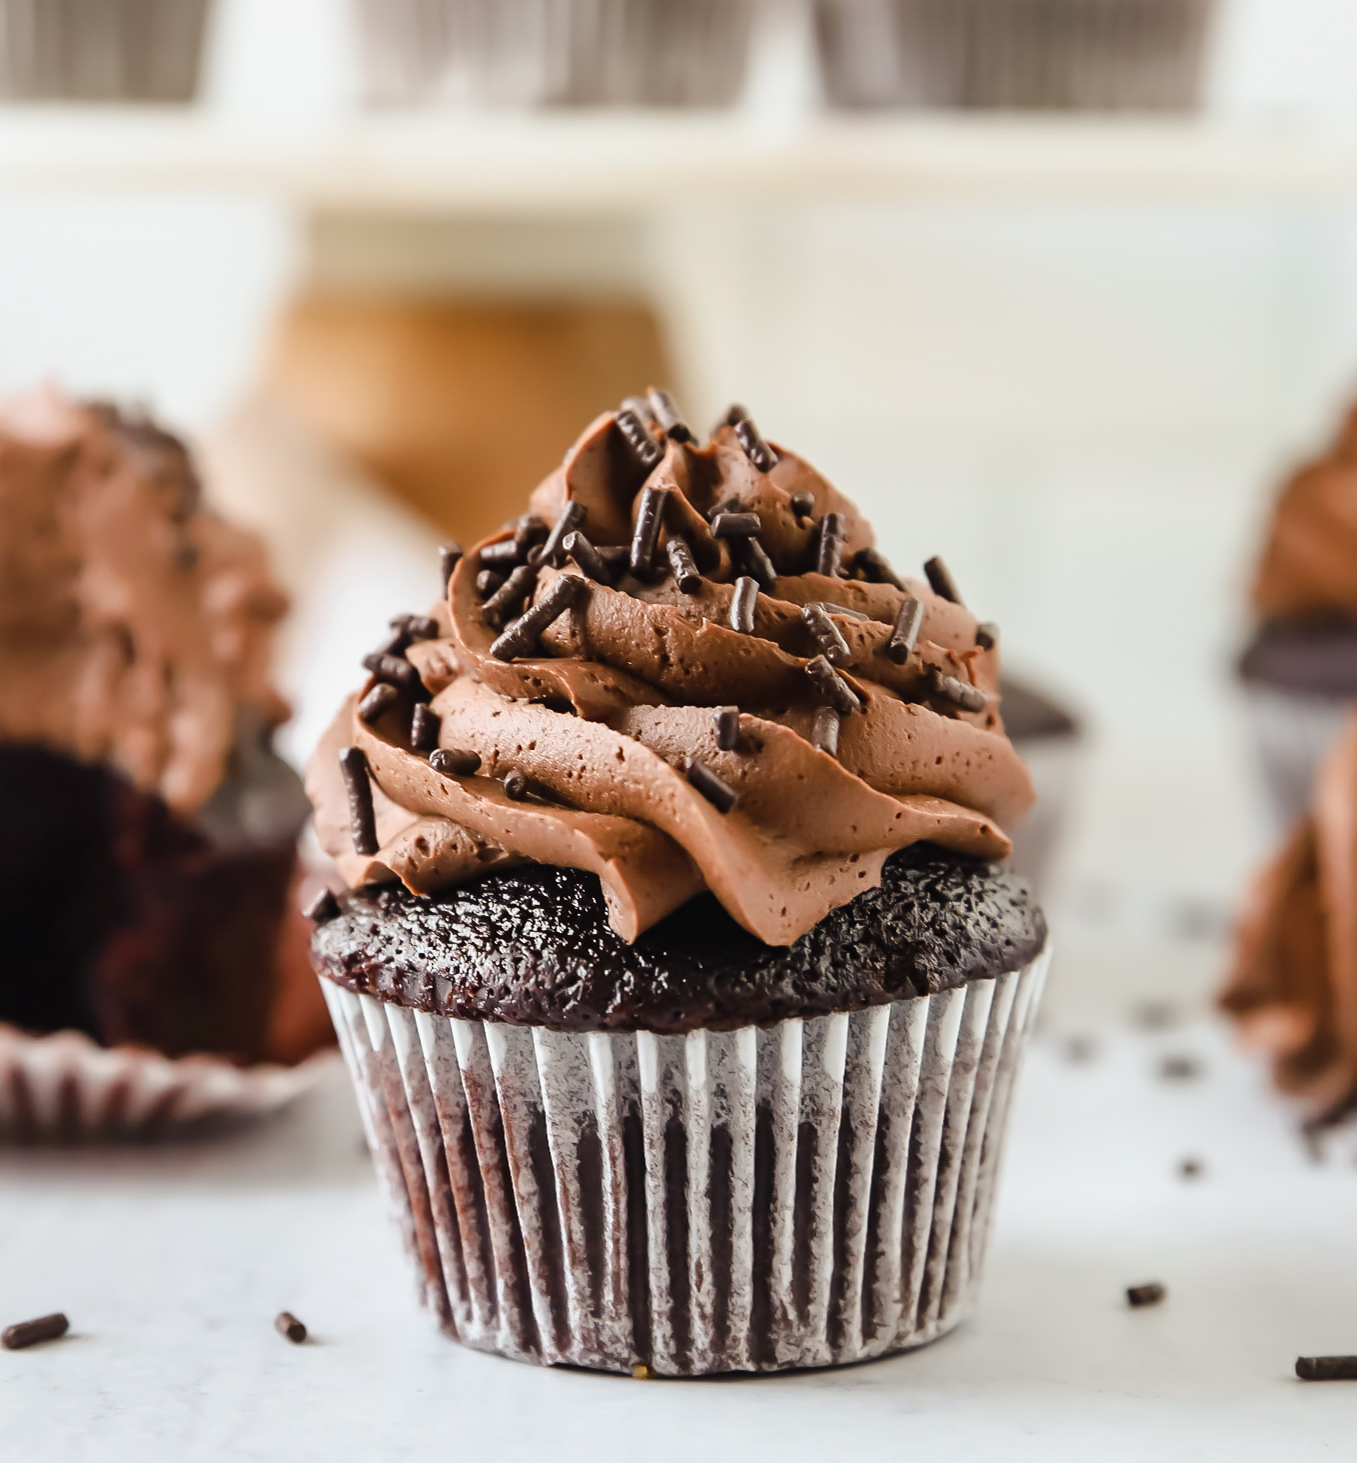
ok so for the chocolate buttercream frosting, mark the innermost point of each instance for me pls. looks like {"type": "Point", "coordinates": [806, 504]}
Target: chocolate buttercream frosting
{"type": "Point", "coordinates": [599, 724]}
{"type": "Point", "coordinates": [136, 627]}
{"type": "Point", "coordinates": [1293, 989]}
{"type": "Point", "coordinates": [1309, 563]}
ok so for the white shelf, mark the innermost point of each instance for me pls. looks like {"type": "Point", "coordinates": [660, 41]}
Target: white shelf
{"type": "Point", "coordinates": [450, 162]}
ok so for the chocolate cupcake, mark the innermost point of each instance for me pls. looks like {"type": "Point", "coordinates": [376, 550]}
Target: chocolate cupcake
{"type": "Point", "coordinates": [682, 995]}
{"type": "Point", "coordinates": [1299, 671]}
{"type": "Point", "coordinates": [149, 832]}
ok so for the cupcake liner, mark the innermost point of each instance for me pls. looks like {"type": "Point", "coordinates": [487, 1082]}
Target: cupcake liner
{"type": "Point", "coordinates": [1100, 55]}
{"type": "Point", "coordinates": [1054, 763]}
{"type": "Point", "coordinates": [101, 50]}
{"type": "Point", "coordinates": [808, 1193]}
{"type": "Point", "coordinates": [65, 1088]}
{"type": "Point", "coordinates": [1291, 734]}
{"type": "Point", "coordinates": [554, 52]}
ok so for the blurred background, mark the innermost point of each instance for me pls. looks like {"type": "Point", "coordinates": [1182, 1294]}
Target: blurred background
{"type": "Point", "coordinates": [1062, 302]}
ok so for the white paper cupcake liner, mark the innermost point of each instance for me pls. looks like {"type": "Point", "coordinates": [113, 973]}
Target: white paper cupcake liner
{"type": "Point", "coordinates": [554, 52]}
{"type": "Point", "coordinates": [1082, 54]}
{"type": "Point", "coordinates": [1291, 735]}
{"type": "Point", "coordinates": [101, 50]}
{"type": "Point", "coordinates": [805, 1194]}
{"type": "Point", "coordinates": [65, 1088]}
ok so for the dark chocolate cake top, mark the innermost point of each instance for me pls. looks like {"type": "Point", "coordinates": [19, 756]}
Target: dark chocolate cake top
{"type": "Point", "coordinates": [533, 946]}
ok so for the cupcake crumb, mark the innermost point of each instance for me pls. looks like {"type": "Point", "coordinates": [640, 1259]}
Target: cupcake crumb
{"type": "Point", "coordinates": [1179, 1068]}
{"type": "Point", "coordinates": [1145, 1295]}
{"type": "Point", "coordinates": [1191, 1168]}
{"type": "Point", "coordinates": [642, 1372]}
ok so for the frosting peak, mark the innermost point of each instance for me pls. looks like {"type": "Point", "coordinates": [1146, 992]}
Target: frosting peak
{"type": "Point", "coordinates": [731, 714]}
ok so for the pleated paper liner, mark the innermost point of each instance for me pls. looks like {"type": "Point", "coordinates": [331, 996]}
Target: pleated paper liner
{"type": "Point", "coordinates": [813, 1192]}
{"type": "Point", "coordinates": [64, 1088]}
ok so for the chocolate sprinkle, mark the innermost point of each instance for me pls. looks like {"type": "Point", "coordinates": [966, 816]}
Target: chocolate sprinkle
{"type": "Point", "coordinates": [381, 698]}
{"type": "Point", "coordinates": [875, 569]}
{"type": "Point", "coordinates": [424, 728]}
{"type": "Point", "coordinates": [1145, 1295]}
{"type": "Point", "coordinates": [728, 728]}
{"type": "Point", "coordinates": [759, 565]}
{"type": "Point", "coordinates": [717, 791]}
{"type": "Point", "coordinates": [735, 525]}
{"type": "Point", "coordinates": [616, 556]}
{"type": "Point", "coordinates": [645, 448]}
{"type": "Point", "coordinates": [417, 627]}
{"type": "Point", "coordinates": [487, 582]}
{"type": "Point", "coordinates": [529, 532]}
{"type": "Point", "coordinates": [666, 413]}
{"type": "Point", "coordinates": [832, 609]}
{"type": "Point", "coordinates": [987, 634]}
{"type": "Point", "coordinates": [827, 634]}
{"type": "Point", "coordinates": [755, 448]}
{"type": "Point", "coordinates": [959, 693]}
{"type": "Point", "coordinates": [905, 635]}
{"type": "Point", "coordinates": [572, 515]}
{"type": "Point", "coordinates": [1327, 1368]}
{"type": "Point", "coordinates": [734, 413]}
{"type": "Point", "coordinates": [681, 561]}
{"type": "Point", "coordinates": [824, 732]}
{"type": "Point", "coordinates": [940, 578]}
{"type": "Point", "coordinates": [449, 556]}
{"type": "Point", "coordinates": [393, 669]}
{"type": "Point", "coordinates": [647, 532]}
{"type": "Point", "coordinates": [742, 605]}
{"type": "Point", "coordinates": [288, 1326]}
{"type": "Point", "coordinates": [353, 763]}
{"type": "Point", "coordinates": [29, 1333]}
{"type": "Point", "coordinates": [515, 786]}
{"type": "Point", "coordinates": [507, 598]}
{"type": "Point", "coordinates": [803, 504]}
{"type": "Point", "coordinates": [638, 406]}
{"type": "Point", "coordinates": [323, 908]}
{"type": "Point", "coordinates": [454, 762]}
{"type": "Point", "coordinates": [500, 555]}
{"type": "Point", "coordinates": [396, 643]}
{"type": "Point", "coordinates": [834, 690]}
{"type": "Point", "coordinates": [829, 546]}
{"type": "Point", "coordinates": [520, 638]}
{"type": "Point", "coordinates": [587, 557]}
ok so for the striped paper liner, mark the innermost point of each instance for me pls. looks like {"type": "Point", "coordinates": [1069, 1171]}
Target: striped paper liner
{"type": "Point", "coordinates": [64, 1088]}
{"type": "Point", "coordinates": [809, 1193]}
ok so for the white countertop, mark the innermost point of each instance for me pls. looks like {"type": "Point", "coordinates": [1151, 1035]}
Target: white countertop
{"type": "Point", "coordinates": [172, 1264]}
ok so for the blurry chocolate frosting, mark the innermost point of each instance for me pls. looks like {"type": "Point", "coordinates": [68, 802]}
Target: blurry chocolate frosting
{"type": "Point", "coordinates": [1309, 563]}
{"type": "Point", "coordinates": [598, 741]}
{"type": "Point", "coordinates": [135, 626]}
{"type": "Point", "coordinates": [1293, 989]}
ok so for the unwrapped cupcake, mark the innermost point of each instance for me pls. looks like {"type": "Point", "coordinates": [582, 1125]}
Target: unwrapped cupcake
{"type": "Point", "coordinates": [681, 992]}
{"type": "Point", "coordinates": [151, 967]}
{"type": "Point", "coordinates": [1299, 671]}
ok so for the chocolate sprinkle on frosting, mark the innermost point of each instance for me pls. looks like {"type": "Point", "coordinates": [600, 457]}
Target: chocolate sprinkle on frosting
{"type": "Point", "coordinates": [353, 763]}
{"type": "Point", "coordinates": [803, 504]}
{"type": "Point", "coordinates": [645, 448]}
{"type": "Point", "coordinates": [449, 556]}
{"type": "Point", "coordinates": [833, 689]}
{"type": "Point", "coordinates": [647, 532]}
{"type": "Point", "coordinates": [833, 609]}
{"type": "Point", "coordinates": [735, 525]}
{"type": "Point", "coordinates": [425, 725]}
{"type": "Point", "coordinates": [487, 582]}
{"type": "Point", "coordinates": [667, 414]}
{"type": "Point", "coordinates": [734, 413]}
{"type": "Point", "coordinates": [717, 791]}
{"type": "Point", "coordinates": [874, 568]}
{"type": "Point", "coordinates": [940, 580]}
{"type": "Point", "coordinates": [507, 598]}
{"type": "Point", "coordinates": [616, 556]}
{"type": "Point", "coordinates": [905, 635]}
{"type": "Point", "coordinates": [515, 786]}
{"type": "Point", "coordinates": [959, 693]}
{"type": "Point", "coordinates": [824, 732]}
{"type": "Point", "coordinates": [454, 762]}
{"type": "Point", "coordinates": [521, 637]}
{"type": "Point", "coordinates": [587, 557]}
{"type": "Point", "coordinates": [417, 627]}
{"type": "Point", "coordinates": [380, 698]}
{"type": "Point", "coordinates": [987, 634]}
{"type": "Point", "coordinates": [572, 516]}
{"type": "Point", "coordinates": [684, 566]}
{"type": "Point", "coordinates": [829, 545]}
{"type": "Point", "coordinates": [728, 728]}
{"type": "Point", "coordinates": [742, 604]}
{"type": "Point", "coordinates": [500, 555]}
{"type": "Point", "coordinates": [759, 565]}
{"type": "Point", "coordinates": [393, 669]}
{"type": "Point", "coordinates": [755, 448]}
{"type": "Point", "coordinates": [322, 908]}
{"type": "Point", "coordinates": [827, 634]}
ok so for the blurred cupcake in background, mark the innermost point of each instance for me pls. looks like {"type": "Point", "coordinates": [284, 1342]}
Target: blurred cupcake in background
{"type": "Point", "coordinates": [1049, 739]}
{"type": "Point", "coordinates": [1293, 989]}
{"type": "Point", "coordinates": [1299, 671]}
{"type": "Point", "coordinates": [526, 53]}
{"type": "Point", "coordinates": [152, 963]}
{"type": "Point", "coordinates": [101, 50]}
{"type": "Point", "coordinates": [1082, 55]}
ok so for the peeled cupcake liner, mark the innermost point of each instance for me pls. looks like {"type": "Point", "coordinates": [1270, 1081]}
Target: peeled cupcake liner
{"type": "Point", "coordinates": [1291, 734]}
{"type": "Point", "coordinates": [531, 53]}
{"type": "Point", "coordinates": [101, 50]}
{"type": "Point", "coordinates": [1080, 54]}
{"type": "Point", "coordinates": [64, 1088]}
{"type": "Point", "coordinates": [805, 1194]}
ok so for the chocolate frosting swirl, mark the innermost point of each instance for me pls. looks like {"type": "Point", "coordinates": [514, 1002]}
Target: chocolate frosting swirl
{"type": "Point", "coordinates": [622, 688]}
